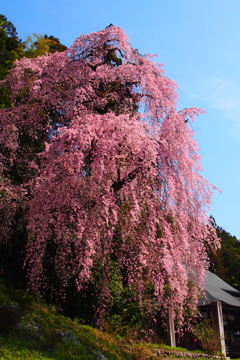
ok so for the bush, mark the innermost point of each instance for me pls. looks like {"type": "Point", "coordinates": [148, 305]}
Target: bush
{"type": "Point", "coordinates": [208, 337]}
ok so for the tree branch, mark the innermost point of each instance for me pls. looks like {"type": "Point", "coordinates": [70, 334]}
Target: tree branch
{"type": "Point", "coordinates": [118, 185]}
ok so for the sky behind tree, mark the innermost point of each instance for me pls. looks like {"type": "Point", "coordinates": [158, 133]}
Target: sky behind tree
{"type": "Point", "coordinates": [198, 43]}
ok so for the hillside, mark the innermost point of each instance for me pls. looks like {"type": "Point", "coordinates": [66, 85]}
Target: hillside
{"type": "Point", "coordinates": [31, 330]}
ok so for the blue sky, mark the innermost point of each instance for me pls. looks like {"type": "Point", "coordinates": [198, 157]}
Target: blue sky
{"type": "Point", "coordinates": [198, 41]}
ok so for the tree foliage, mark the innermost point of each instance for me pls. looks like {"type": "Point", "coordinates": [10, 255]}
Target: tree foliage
{"type": "Point", "coordinates": [42, 45]}
{"type": "Point", "coordinates": [225, 261]}
{"type": "Point", "coordinates": [107, 174]}
{"type": "Point", "coordinates": [11, 47]}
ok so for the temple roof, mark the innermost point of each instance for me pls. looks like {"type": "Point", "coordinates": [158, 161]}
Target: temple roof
{"type": "Point", "coordinates": [218, 290]}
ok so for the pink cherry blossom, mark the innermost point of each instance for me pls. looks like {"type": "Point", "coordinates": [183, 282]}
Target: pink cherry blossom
{"type": "Point", "coordinates": [115, 155]}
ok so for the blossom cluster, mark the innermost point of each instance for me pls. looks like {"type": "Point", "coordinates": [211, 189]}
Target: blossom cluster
{"type": "Point", "coordinates": [112, 171]}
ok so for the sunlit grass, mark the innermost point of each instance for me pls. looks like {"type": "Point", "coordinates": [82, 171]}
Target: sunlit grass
{"type": "Point", "coordinates": [31, 330]}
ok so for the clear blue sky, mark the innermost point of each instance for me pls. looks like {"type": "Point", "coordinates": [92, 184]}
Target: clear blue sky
{"type": "Point", "coordinates": [199, 43]}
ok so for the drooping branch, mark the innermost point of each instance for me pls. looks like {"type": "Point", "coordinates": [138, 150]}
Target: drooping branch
{"type": "Point", "coordinates": [90, 97]}
{"type": "Point", "coordinates": [118, 185]}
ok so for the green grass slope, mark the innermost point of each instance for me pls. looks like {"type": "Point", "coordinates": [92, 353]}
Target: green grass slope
{"type": "Point", "coordinates": [31, 330]}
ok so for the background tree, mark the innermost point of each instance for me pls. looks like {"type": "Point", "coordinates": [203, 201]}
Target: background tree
{"type": "Point", "coordinates": [225, 261]}
{"type": "Point", "coordinates": [11, 47]}
{"type": "Point", "coordinates": [109, 174]}
{"type": "Point", "coordinates": [42, 45]}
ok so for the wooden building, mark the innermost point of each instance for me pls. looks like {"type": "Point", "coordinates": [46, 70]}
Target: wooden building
{"type": "Point", "coordinates": [221, 305]}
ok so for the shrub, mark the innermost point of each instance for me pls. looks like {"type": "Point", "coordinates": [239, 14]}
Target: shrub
{"type": "Point", "coordinates": [208, 337]}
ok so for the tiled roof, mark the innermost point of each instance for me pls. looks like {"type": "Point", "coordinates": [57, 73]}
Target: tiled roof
{"type": "Point", "coordinates": [218, 290]}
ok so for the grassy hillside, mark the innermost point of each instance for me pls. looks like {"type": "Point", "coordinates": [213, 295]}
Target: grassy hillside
{"type": "Point", "coordinates": [31, 330]}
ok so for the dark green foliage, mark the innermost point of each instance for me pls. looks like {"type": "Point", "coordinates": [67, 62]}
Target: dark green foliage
{"type": "Point", "coordinates": [5, 97]}
{"type": "Point", "coordinates": [225, 262]}
{"type": "Point", "coordinates": [11, 47]}
{"type": "Point", "coordinates": [208, 337]}
{"type": "Point", "coordinates": [125, 317]}
{"type": "Point", "coordinates": [82, 305]}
